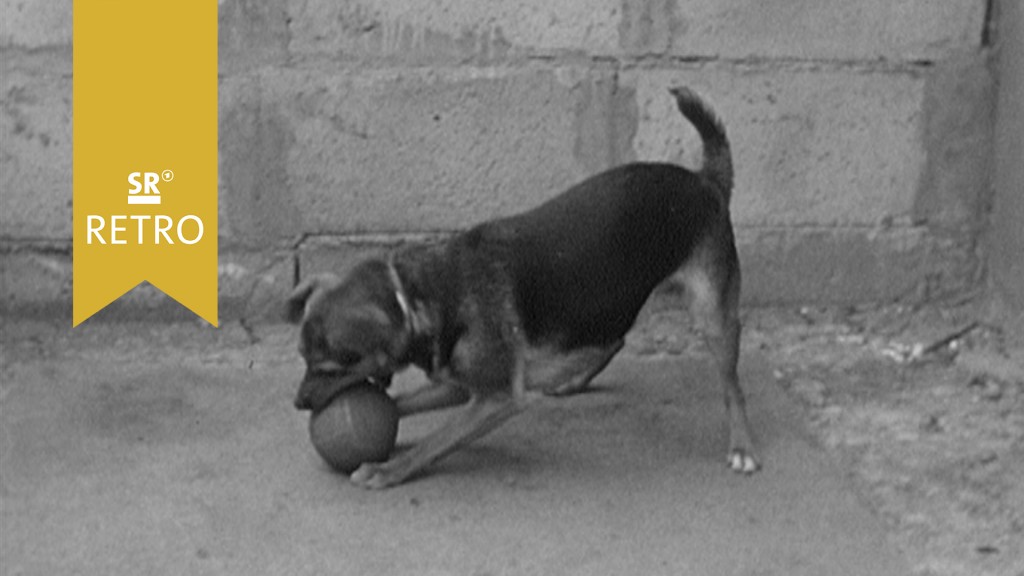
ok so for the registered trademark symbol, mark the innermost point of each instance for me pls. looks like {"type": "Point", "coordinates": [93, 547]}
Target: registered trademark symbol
{"type": "Point", "coordinates": [167, 175]}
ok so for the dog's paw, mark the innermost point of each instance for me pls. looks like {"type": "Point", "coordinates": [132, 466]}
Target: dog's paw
{"type": "Point", "coordinates": [742, 462]}
{"type": "Point", "coordinates": [376, 476]}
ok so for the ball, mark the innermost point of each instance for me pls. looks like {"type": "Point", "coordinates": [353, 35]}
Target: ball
{"type": "Point", "coordinates": [359, 425]}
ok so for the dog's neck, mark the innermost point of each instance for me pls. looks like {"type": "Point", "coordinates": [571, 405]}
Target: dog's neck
{"type": "Point", "coordinates": [421, 344]}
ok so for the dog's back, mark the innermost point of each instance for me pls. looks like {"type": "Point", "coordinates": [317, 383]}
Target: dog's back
{"type": "Point", "coordinates": [568, 258]}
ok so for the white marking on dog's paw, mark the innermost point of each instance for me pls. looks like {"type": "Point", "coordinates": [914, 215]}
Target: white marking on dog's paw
{"type": "Point", "coordinates": [374, 476]}
{"type": "Point", "coordinates": [743, 463]}
{"type": "Point", "coordinates": [750, 465]}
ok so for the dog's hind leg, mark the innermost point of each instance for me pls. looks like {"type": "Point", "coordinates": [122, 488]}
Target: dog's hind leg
{"type": "Point", "coordinates": [715, 291]}
{"type": "Point", "coordinates": [575, 370]}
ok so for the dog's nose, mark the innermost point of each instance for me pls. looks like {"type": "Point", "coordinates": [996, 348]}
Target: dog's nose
{"type": "Point", "coordinates": [305, 395]}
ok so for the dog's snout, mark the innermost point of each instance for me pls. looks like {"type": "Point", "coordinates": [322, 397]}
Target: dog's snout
{"type": "Point", "coordinates": [302, 402]}
{"type": "Point", "coordinates": [304, 395]}
{"type": "Point", "coordinates": [316, 390]}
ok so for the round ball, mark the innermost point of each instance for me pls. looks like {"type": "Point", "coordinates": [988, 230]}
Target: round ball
{"type": "Point", "coordinates": [359, 425]}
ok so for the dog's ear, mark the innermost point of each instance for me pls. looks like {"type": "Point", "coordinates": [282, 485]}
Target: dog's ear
{"type": "Point", "coordinates": [295, 305]}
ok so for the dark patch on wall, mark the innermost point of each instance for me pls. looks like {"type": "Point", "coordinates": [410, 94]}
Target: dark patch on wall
{"type": "Point", "coordinates": [593, 140]}
{"type": "Point", "coordinates": [624, 122]}
{"type": "Point", "coordinates": [251, 34]}
{"type": "Point", "coordinates": [606, 122]}
{"type": "Point", "coordinates": [257, 205]}
{"type": "Point", "coordinates": [959, 104]}
{"type": "Point", "coordinates": [1005, 239]}
{"type": "Point", "coordinates": [648, 27]}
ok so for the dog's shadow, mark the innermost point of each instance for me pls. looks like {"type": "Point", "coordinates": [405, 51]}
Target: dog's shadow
{"type": "Point", "coordinates": [519, 451]}
{"type": "Point", "coordinates": [496, 460]}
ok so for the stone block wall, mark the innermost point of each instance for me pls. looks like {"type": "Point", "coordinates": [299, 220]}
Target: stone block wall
{"type": "Point", "coordinates": [861, 130]}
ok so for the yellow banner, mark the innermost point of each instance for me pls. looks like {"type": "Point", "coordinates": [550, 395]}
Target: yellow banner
{"type": "Point", "coordinates": [145, 152]}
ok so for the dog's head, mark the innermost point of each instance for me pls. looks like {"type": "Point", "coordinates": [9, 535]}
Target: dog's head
{"type": "Point", "coordinates": [352, 331]}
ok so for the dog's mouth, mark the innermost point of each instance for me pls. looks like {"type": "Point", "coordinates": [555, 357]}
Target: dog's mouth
{"type": "Point", "coordinates": [319, 389]}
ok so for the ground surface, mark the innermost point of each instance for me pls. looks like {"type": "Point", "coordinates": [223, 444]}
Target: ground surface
{"type": "Point", "coordinates": [174, 449]}
{"type": "Point", "coordinates": [925, 408]}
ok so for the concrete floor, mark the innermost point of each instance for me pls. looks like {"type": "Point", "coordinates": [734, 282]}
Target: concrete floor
{"type": "Point", "coordinates": [130, 449]}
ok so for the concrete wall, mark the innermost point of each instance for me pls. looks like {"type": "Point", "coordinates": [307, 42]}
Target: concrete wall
{"type": "Point", "coordinates": [1006, 236]}
{"type": "Point", "coordinates": [861, 132]}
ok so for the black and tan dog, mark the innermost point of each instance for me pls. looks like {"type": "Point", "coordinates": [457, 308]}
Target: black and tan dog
{"type": "Point", "coordinates": [538, 301]}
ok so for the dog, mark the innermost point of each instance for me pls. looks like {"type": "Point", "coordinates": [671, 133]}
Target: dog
{"type": "Point", "coordinates": [537, 301]}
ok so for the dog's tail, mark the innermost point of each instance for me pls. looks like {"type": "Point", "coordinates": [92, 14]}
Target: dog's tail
{"type": "Point", "coordinates": [717, 156]}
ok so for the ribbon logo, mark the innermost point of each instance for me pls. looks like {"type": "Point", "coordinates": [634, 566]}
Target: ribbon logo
{"type": "Point", "coordinates": [145, 152]}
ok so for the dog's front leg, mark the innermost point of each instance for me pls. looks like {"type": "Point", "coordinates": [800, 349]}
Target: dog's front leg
{"type": "Point", "coordinates": [441, 393]}
{"type": "Point", "coordinates": [483, 414]}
